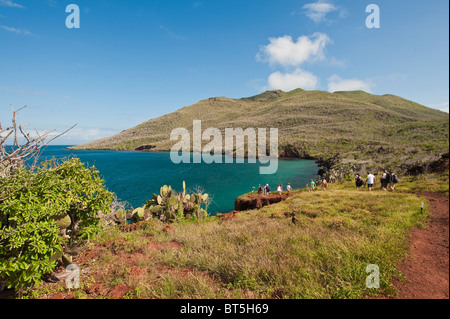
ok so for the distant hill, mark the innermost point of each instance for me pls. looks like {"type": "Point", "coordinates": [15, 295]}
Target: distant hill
{"type": "Point", "coordinates": [352, 128]}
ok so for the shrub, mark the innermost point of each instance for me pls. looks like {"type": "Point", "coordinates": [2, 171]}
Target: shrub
{"type": "Point", "coordinates": [33, 202]}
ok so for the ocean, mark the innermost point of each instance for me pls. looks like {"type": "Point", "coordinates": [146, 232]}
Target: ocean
{"type": "Point", "coordinates": [134, 176]}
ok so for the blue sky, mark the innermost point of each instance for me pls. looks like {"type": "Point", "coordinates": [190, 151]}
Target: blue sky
{"type": "Point", "coordinates": [138, 59]}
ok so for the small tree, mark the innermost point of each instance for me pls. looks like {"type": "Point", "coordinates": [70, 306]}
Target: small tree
{"type": "Point", "coordinates": [34, 200]}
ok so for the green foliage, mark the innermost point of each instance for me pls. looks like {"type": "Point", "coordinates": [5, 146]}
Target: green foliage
{"type": "Point", "coordinates": [170, 205]}
{"type": "Point", "coordinates": [36, 201]}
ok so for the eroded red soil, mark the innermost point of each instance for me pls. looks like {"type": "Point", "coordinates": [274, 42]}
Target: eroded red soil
{"type": "Point", "coordinates": [427, 266]}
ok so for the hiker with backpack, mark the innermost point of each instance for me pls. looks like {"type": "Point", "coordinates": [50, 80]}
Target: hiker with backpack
{"type": "Point", "coordinates": [359, 182]}
{"type": "Point", "coordinates": [260, 189]}
{"type": "Point", "coordinates": [392, 180]}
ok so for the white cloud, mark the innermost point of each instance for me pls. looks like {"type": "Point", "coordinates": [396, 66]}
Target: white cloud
{"type": "Point", "coordinates": [88, 134]}
{"type": "Point", "coordinates": [290, 81]}
{"type": "Point", "coordinates": [318, 10]}
{"type": "Point", "coordinates": [336, 83]}
{"type": "Point", "coordinates": [52, 3]}
{"type": "Point", "coordinates": [22, 91]}
{"type": "Point", "coordinates": [173, 35]}
{"type": "Point", "coordinates": [444, 107]}
{"type": "Point", "coordinates": [17, 31]}
{"type": "Point", "coordinates": [76, 135]}
{"type": "Point", "coordinates": [288, 53]}
{"type": "Point", "coordinates": [9, 3]}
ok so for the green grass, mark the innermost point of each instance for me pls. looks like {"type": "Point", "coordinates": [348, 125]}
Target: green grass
{"type": "Point", "coordinates": [324, 255]}
{"type": "Point", "coordinates": [263, 254]}
{"type": "Point", "coordinates": [426, 183]}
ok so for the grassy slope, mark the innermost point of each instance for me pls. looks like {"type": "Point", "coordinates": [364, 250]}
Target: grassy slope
{"type": "Point", "coordinates": [262, 254]}
{"type": "Point", "coordinates": [361, 127]}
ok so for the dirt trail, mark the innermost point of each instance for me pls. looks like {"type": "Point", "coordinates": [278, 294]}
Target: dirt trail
{"type": "Point", "coordinates": [427, 266]}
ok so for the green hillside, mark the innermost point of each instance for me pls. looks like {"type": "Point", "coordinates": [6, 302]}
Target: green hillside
{"type": "Point", "coordinates": [356, 129]}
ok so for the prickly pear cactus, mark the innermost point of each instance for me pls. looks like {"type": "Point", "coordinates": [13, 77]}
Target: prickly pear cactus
{"type": "Point", "coordinates": [139, 214]}
{"type": "Point", "coordinates": [169, 205]}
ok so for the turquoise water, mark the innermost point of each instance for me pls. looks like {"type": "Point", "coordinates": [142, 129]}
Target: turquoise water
{"type": "Point", "coordinates": [135, 176]}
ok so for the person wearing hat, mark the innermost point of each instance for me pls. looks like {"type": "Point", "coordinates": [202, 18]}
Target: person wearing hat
{"type": "Point", "coordinates": [288, 187]}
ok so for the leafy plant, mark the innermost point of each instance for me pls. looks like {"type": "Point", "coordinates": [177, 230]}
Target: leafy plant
{"type": "Point", "coordinates": [42, 205]}
{"type": "Point", "coordinates": [170, 205]}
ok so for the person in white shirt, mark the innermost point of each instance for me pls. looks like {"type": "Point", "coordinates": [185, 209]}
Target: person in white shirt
{"type": "Point", "coordinates": [370, 181]}
{"type": "Point", "coordinates": [279, 189]}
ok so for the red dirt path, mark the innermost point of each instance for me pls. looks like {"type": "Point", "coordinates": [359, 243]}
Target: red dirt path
{"type": "Point", "coordinates": [427, 266]}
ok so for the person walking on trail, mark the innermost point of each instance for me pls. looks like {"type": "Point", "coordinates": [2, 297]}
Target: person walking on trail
{"type": "Point", "coordinates": [279, 189]}
{"type": "Point", "coordinates": [370, 181]}
{"type": "Point", "coordinates": [384, 180]}
{"type": "Point", "coordinates": [359, 182]}
{"type": "Point", "coordinates": [393, 179]}
{"type": "Point", "coordinates": [267, 189]}
{"type": "Point", "coordinates": [288, 187]}
{"type": "Point", "coordinates": [260, 189]}
{"type": "Point", "coordinates": [312, 185]}
{"type": "Point", "coordinates": [324, 184]}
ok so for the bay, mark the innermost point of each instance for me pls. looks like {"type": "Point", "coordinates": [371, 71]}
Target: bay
{"type": "Point", "coordinates": [134, 176]}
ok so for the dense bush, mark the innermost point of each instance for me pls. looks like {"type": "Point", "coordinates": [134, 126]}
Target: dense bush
{"type": "Point", "coordinates": [33, 202]}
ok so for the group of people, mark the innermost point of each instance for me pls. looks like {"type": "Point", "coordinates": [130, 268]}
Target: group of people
{"type": "Point", "coordinates": [312, 185]}
{"type": "Point", "coordinates": [265, 190]}
{"type": "Point", "coordinates": [388, 179]}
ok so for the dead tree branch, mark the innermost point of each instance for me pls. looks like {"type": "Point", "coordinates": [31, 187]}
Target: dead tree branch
{"type": "Point", "coordinates": [17, 155]}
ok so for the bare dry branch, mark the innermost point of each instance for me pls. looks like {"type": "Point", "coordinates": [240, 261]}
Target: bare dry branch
{"type": "Point", "coordinates": [16, 155]}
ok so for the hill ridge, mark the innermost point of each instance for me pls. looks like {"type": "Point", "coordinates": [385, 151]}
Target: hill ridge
{"type": "Point", "coordinates": [355, 126]}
